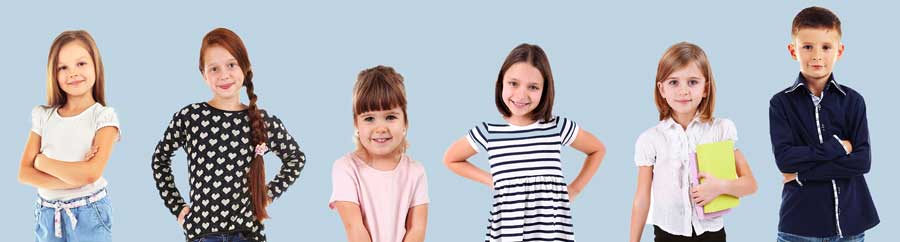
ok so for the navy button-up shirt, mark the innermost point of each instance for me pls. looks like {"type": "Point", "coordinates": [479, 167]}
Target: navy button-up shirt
{"type": "Point", "coordinates": [830, 196]}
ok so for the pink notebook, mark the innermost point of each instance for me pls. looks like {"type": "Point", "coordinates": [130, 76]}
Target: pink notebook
{"type": "Point", "coordinates": [695, 181]}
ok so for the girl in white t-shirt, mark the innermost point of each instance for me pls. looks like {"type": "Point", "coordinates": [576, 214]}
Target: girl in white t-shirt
{"type": "Point", "coordinates": [380, 193]}
{"type": "Point", "coordinates": [70, 143]}
{"type": "Point", "coordinates": [685, 96]}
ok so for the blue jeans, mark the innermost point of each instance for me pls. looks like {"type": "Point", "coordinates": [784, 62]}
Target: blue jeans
{"type": "Point", "coordinates": [94, 223]}
{"type": "Point", "coordinates": [786, 237]}
{"type": "Point", "coordinates": [229, 237]}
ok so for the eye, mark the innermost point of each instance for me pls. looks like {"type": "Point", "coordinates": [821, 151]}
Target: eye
{"type": "Point", "coordinates": [231, 65]}
{"type": "Point", "coordinates": [513, 84]}
{"type": "Point", "coordinates": [693, 82]}
{"type": "Point", "coordinates": [369, 119]}
{"type": "Point", "coordinates": [534, 87]}
{"type": "Point", "coordinates": [391, 117]}
{"type": "Point", "coordinates": [213, 69]}
{"type": "Point", "coordinates": [807, 47]}
{"type": "Point", "coordinates": [827, 47]}
{"type": "Point", "coordinates": [62, 68]}
{"type": "Point", "coordinates": [82, 63]}
{"type": "Point", "coordinates": [672, 82]}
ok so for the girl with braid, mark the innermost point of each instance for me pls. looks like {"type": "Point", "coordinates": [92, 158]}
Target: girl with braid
{"type": "Point", "coordinates": [225, 141]}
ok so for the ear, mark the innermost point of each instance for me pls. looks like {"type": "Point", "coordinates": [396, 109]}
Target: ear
{"type": "Point", "coordinates": [840, 51]}
{"type": "Point", "coordinates": [791, 49]}
{"type": "Point", "coordinates": [659, 88]}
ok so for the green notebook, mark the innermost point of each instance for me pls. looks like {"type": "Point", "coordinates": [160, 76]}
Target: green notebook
{"type": "Point", "coordinates": [717, 159]}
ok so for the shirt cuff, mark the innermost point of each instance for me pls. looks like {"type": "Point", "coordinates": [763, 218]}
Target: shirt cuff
{"type": "Point", "coordinates": [797, 178]}
{"type": "Point", "coordinates": [841, 143]}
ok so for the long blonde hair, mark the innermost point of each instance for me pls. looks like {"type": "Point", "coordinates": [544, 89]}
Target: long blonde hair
{"type": "Point", "coordinates": [677, 57]}
{"type": "Point", "coordinates": [55, 95]}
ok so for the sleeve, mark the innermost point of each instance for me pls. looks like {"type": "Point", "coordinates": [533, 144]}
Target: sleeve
{"type": "Point", "coordinates": [858, 162]}
{"type": "Point", "coordinates": [792, 158]}
{"type": "Point", "coordinates": [569, 131]}
{"type": "Point", "coordinates": [644, 151]}
{"type": "Point", "coordinates": [421, 188]}
{"type": "Point", "coordinates": [292, 159]}
{"type": "Point", "coordinates": [39, 115]}
{"type": "Point", "coordinates": [107, 117]}
{"type": "Point", "coordinates": [343, 183]}
{"type": "Point", "coordinates": [477, 140]}
{"type": "Point", "coordinates": [172, 140]}
{"type": "Point", "coordinates": [728, 131]}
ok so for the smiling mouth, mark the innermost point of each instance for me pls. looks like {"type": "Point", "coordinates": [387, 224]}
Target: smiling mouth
{"type": "Point", "coordinates": [73, 83]}
{"type": "Point", "coordinates": [381, 140]}
{"type": "Point", "coordinates": [225, 86]}
{"type": "Point", "coordinates": [520, 104]}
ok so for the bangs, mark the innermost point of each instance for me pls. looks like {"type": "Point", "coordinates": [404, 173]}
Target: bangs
{"type": "Point", "coordinates": [377, 92]}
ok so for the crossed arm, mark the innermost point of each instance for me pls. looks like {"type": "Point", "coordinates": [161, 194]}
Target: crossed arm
{"type": "Point", "coordinates": [40, 171]}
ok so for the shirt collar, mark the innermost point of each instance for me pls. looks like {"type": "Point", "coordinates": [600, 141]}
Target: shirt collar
{"type": "Point", "coordinates": [802, 81]}
{"type": "Point", "coordinates": [670, 122]}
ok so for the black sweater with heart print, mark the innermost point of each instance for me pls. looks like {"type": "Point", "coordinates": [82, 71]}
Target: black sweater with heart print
{"type": "Point", "coordinates": [218, 149]}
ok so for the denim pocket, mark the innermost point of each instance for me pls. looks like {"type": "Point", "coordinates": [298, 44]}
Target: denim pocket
{"type": "Point", "coordinates": [103, 211]}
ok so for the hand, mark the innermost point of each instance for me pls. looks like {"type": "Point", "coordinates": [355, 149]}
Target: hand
{"type": "Point", "coordinates": [789, 177]}
{"type": "Point", "coordinates": [184, 212]}
{"type": "Point", "coordinates": [711, 188]}
{"type": "Point", "coordinates": [573, 192]}
{"type": "Point", "coordinates": [847, 145]}
{"type": "Point", "coordinates": [90, 154]}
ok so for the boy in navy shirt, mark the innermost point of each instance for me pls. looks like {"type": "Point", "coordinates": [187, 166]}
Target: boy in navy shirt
{"type": "Point", "coordinates": [820, 139]}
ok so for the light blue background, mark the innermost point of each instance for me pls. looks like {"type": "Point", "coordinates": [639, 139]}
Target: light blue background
{"type": "Point", "coordinates": [306, 56]}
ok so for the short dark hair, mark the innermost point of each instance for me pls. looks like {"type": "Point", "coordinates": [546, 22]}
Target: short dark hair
{"type": "Point", "coordinates": [816, 18]}
{"type": "Point", "coordinates": [534, 56]}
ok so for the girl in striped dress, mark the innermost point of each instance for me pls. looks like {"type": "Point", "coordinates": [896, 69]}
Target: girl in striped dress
{"type": "Point", "coordinates": [531, 197]}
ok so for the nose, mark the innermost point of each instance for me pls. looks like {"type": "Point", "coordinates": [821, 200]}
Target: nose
{"type": "Point", "coordinates": [71, 72]}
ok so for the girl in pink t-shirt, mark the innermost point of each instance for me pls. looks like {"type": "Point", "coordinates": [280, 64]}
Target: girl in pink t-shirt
{"type": "Point", "coordinates": [379, 192]}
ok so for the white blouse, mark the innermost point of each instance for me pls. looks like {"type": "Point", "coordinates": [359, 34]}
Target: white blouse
{"type": "Point", "coordinates": [69, 139]}
{"type": "Point", "coordinates": [666, 147]}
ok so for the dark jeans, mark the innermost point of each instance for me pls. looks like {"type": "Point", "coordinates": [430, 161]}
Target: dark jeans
{"type": "Point", "coordinates": [227, 237]}
{"type": "Point", "coordinates": [663, 236]}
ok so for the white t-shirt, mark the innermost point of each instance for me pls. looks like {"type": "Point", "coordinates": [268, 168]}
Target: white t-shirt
{"type": "Point", "coordinates": [69, 139]}
{"type": "Point", "coordinates": [666, 147]}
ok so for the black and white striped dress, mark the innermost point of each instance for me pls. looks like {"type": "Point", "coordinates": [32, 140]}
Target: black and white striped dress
{"type": "Point", "coordinates": [531, 200]}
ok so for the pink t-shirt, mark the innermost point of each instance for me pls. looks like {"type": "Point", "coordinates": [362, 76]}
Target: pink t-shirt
{"type": "Point", "coordinates": [384, 197]}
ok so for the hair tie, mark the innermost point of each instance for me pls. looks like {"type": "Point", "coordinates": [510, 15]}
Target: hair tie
{"type": "Point", "coordinates": [261, 149]}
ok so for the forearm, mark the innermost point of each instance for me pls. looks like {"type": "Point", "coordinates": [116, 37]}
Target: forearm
{"type": "Point", "coordinates": [591, 164]}
{"type": "Point", "coordinates": [414, 234]}
{"type": "Point", "coordinates": [740, 187]}
{"type": "Point", "coordinates": [76, 173]}
{"type": "Point", "coordinates": [639, 210]}
{"type": "Point", "coordinates": [357, 233]}
{"type": "Point", "coordinates": [467, 170]}
{"type": "Point", "coordinates": [36, 178]}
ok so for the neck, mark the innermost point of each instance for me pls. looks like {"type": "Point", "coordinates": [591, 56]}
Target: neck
{"type": "Point", "coordinates": [78, 102]}
{"type": "Point", "coordinates": [381, 162]}
{"type": "Point", "coordinates": [227, 104]}
{"type": "Point", "coordinates": [519, 120]}
{"type": "Point", "coordinates": [684, 119]}
{"type": "Point", "coordinates": [816, 85]}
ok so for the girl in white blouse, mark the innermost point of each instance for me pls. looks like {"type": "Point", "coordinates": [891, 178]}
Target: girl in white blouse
{"type": "Point", "coordinates": [70, 143]}
{"type": "Point", "coordinates": [685, 97]}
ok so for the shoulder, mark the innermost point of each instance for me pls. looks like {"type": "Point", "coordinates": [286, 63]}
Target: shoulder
{"type": "Point", "coordinates": [41, 111]}
{"type": "Point", "coordinates": [189, 109]}
{"type": "Point", "coordinates": [101, 111]}
{"type": "Point", "coordinates": [723, 123]}
{"type": "Point", "coordinates": [344, 163]}
{"type": "Point", "coordinates": [852, 94]}
{"type": "Point", "coordinates": [415, 166]}
{"type": "Point", "coordinates": [650, 135]}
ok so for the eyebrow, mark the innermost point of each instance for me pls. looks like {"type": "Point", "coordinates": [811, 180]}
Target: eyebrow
{"type": "Point", "coordinates": [226, 61]}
